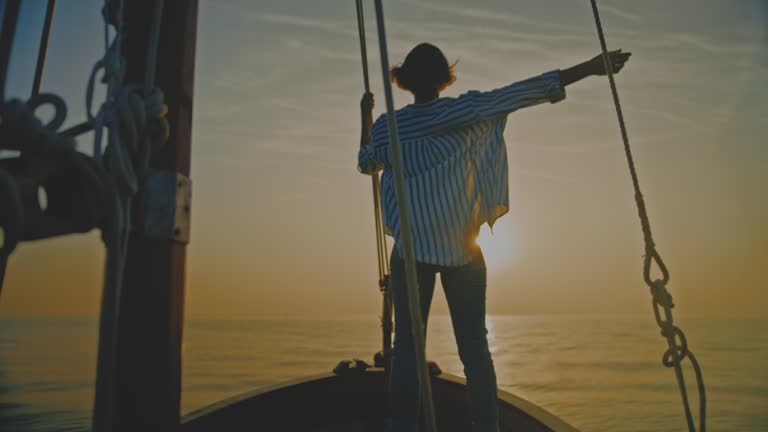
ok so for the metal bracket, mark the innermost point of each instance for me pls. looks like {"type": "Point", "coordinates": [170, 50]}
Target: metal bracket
{"type": "Point", "coordinates": [166, 204]}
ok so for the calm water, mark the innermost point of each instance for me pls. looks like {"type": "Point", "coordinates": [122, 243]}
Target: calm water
{"type": "Point", "coordinates": [599, 374]}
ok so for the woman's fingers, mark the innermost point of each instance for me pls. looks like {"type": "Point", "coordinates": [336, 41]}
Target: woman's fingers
{"type": "Point", "coordinates": [366, 102]}
{"type": "Point", "coordinates": [616, 58]}
{"type": "Point", "coordinates": [619, 59]}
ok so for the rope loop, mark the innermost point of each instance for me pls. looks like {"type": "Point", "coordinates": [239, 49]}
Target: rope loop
{"type": "Point", "coordinates": [59, 109]}
{"type": "Point", "coordinates": [676, 353]}
{"type": "Point", "coordinates": [139, 129]}
{"type": "Point", "coordinates": [21, 130]}
{"type": "Point", "coordinates": [652, 256]}
{"type": "Point", "coordinates": [661, 298]}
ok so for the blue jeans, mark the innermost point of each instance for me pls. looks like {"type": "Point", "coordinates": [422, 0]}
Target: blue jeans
{"type": "Point", "coordinates": [464, 288]}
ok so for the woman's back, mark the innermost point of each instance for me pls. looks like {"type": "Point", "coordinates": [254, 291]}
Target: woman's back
{"type": "Point", "coordinates": [455, 163]}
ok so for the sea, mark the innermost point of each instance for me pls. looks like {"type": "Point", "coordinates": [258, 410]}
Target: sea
{"type": "Point", "coordinates": [598, 373]}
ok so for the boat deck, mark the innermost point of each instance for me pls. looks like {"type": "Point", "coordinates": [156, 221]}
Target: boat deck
{"type": "Point", "coordinates": [354, 402]}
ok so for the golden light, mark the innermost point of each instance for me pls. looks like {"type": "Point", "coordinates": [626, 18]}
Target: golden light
{"type": "Point", "coordinates": [499, 247]}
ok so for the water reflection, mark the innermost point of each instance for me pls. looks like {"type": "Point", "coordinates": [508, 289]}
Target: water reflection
{"type": "Point", "coordinates": [596, 373]}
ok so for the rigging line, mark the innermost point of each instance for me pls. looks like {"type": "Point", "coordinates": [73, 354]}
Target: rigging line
{"type": "Point", "coordinates": [3, 266]}
{"type": "Point", "coordinates": [377, 222]}
{"type": "Point", "coordinates": [116, 238]}
{"type": "Point", "coordinates": [43, 50]}
{"type": "Point", "coordinates": [412, 284]}
{"type": "Point", "coordinates": [10, 19]}
{"type": "Point", "coordinates": [658, 288]}
{"type": "Point", "coordinates": [381, 245]}
{"type": "Point", "coordinates": [382, 234]}
{"type": "Point", "coordinates": [124, 136]}
{"type": "Point", "coordinates": [363, 50]}
{"type": "Point", "coordinates": [78, 129]}
{"type": "Point", "coordinates": [381, 240]}
{"type": "Point", "coordinates": [154, 38]}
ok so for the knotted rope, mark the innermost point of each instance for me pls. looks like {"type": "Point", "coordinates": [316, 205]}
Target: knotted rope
{"type": "Point", "coordinates": [135, 118]}
{"type": "Point", "coordinates": [22, 131]}
{"type": "Point", "coordinates": [661, 297]}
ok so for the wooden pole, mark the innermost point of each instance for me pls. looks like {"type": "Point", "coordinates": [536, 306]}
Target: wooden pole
{"type": "Point", "coordinates": [148, 367]}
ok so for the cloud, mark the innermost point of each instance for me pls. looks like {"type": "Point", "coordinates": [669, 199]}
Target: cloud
{"type": "Point", "coordinates": [338, 27]}
{"type": "Point", "coordinates": [621, 13]}
{"type": "Point", "coordinates": [483, 14]}
{"type": "Point", "coordinates": [321, 51]}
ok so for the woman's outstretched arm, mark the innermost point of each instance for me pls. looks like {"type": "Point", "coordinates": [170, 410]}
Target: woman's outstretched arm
{"type": "Point", "coordinates": [476, 106]}
{"type": "Point", "coordinates": [593, 66]}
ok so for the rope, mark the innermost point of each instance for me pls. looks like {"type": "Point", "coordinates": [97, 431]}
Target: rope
{"type": "Point", "coordinates": [11, 220]}
{"type": "Point", "coordinates": [381, 240]}
{"type": "Point", "coordinates": [137, 127]}
{"type": "Point", "coordinates": [7, 35]}
{"type": "Point", "coordinates": [412, 285]}
{"type": "Point", "coordinates": [21, 131]}
{"type": "Point", "coordinates": [363, 50]}
{"type": "Point", "coordinates": [661, 297]}
{"type": "Point", "coordinates": [41, 53]}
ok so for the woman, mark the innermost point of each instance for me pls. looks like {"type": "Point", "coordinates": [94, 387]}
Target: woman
{"type": "Point", "coordinates": [455, 164]}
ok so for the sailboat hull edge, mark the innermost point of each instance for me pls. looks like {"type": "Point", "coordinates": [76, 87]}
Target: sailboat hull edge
{"type": "Point", "coordinates": [355, 402]}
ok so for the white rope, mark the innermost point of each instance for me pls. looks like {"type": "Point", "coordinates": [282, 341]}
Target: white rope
{"type": "Point", "coordinates": [136, 127]}
{"type": "Point", "coordinates": [412, 283]}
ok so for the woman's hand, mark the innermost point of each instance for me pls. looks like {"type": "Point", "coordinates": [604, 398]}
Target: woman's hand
{"type": "Point", "coordinates": [593, 66]}
{"type": "Point", "coordinates": [366, 103]}
{"type": "Point", "coordinates": [617, 60]}
{"type": "Point", "coordinates": [366, 117]}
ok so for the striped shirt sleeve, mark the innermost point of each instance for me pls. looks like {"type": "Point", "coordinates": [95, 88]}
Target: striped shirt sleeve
{"type": "Point", "coordinates": [471, 107]}
{"type": "Point", "coordinates": [367, 162]}
{"type": "Point", "coordinates": [475, 106]}
{"type": "Point", "coordinates": [374, 157]}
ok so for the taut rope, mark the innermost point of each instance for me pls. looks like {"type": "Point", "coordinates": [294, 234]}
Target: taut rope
{"type": "Point", "coordinates": [412, 283]}
{"type": "Point", "coordinates": [381, 240]}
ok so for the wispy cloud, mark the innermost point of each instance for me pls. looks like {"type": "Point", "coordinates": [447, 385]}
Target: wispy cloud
{"type": "Point", "coordinates": [321, 51]}
{"type": "Point", "coordinates": [483, 14]}
{"type": "Point", "coordinates": [338, 27]}
{"type": "Point", "coordinates": [621, 13]}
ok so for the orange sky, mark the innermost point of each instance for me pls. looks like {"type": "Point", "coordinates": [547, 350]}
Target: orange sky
{"type": "Point", "coordinates": [282, 221]}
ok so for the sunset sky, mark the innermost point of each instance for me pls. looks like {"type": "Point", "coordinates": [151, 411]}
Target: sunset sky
{"type": "Point", "coordinates": [283, 222]}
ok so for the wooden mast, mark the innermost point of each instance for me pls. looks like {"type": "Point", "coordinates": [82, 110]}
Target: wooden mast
{"type": "Point", "coordinates": [148, 366]}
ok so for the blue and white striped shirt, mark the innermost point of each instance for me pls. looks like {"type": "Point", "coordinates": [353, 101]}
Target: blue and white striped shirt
{"type": "Point", "coordinates": [455, 163]}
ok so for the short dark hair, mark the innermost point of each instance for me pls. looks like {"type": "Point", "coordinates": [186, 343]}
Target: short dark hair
{"type": "Point", "coordinates": [425, 69]}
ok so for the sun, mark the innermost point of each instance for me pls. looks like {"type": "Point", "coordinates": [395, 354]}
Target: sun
{"type": "Point", "coordinates": [499, 248]}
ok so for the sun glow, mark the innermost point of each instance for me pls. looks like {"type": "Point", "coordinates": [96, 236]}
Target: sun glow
{"type": "Point", "coordinates": [498, 246]}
